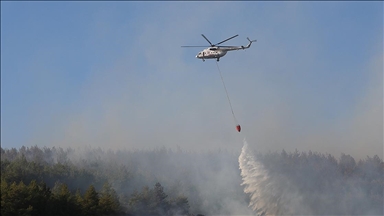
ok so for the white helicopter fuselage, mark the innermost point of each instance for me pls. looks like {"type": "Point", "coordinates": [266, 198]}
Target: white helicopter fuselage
{"type": "Point", "coordinates": [211, 53]}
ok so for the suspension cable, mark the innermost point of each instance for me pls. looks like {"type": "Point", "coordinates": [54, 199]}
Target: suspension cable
{"type": "Point", "coordinates": [226, 92]}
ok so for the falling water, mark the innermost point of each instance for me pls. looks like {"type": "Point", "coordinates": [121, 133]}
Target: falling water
{"type": "Point", "coordinates": [255, 179]}
{"type": "Point", "coordinates": [269, 194]}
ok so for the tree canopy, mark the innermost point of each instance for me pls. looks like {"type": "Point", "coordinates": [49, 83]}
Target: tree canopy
{"type": "Point", "coordinates": [54, 181]}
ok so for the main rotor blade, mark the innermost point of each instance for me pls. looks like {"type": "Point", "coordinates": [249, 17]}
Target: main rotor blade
{"type": "Point", "coordinates": [207, 40]}
{"type": "Point", "coordinates": [226, 40]}
{"type": "Point", "coordinates": [193, 46]}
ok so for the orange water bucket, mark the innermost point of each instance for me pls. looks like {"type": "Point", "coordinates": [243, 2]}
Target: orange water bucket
{"type": "Point", "coordinates": [238, 128]}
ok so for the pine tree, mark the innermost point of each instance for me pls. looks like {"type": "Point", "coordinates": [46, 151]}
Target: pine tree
{"type": "Point", "coordinates": [64, 200]}
{"type": "Point", "coordinates": [179, 206]}
{"type": "Point", "coordinates": [109, 201]}
{"type": "Point", "coordinates": [160, 199]}
{"type": "Point", "coordinates": [139, 203]}
{"type": "Point", "coordinates": [78, 202]}
{"type": "Point", "coordinates": [91, 201]}
{"type": "Point", "coordinates": [16, 202]}
{"type": "Point", "coordinates": [5, 205]}
{"type": "Point", "coordinates": [38, 197]}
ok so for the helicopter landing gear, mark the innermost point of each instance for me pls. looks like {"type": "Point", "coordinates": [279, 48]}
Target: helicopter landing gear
{"type": "Point", "coordinates": [218, 59]}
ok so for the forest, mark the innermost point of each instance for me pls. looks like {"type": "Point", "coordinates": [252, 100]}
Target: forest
{"type": "Point", "coordinates": [91, 181]}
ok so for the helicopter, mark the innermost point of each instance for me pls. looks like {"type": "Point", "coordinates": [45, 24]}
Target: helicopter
{"type": "Point", "coordinates": [216, 52]}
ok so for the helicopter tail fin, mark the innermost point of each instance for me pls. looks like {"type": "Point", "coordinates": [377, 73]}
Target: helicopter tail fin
{"type": "Point", "coordinates": [250, 42]}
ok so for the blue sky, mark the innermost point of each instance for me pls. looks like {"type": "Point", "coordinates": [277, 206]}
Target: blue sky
{"type": "Point", "coordinates": [113, 74]}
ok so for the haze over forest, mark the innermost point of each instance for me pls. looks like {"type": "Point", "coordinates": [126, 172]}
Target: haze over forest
{"type": "Point", "coordinates": [209, 183]}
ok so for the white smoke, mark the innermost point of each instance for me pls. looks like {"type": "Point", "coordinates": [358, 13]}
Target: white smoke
{"type": "Point", "coordinates": [269, 195]}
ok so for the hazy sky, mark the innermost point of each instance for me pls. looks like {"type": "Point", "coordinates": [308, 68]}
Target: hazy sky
{"type": "Point", "coordinates": [113, 74]}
